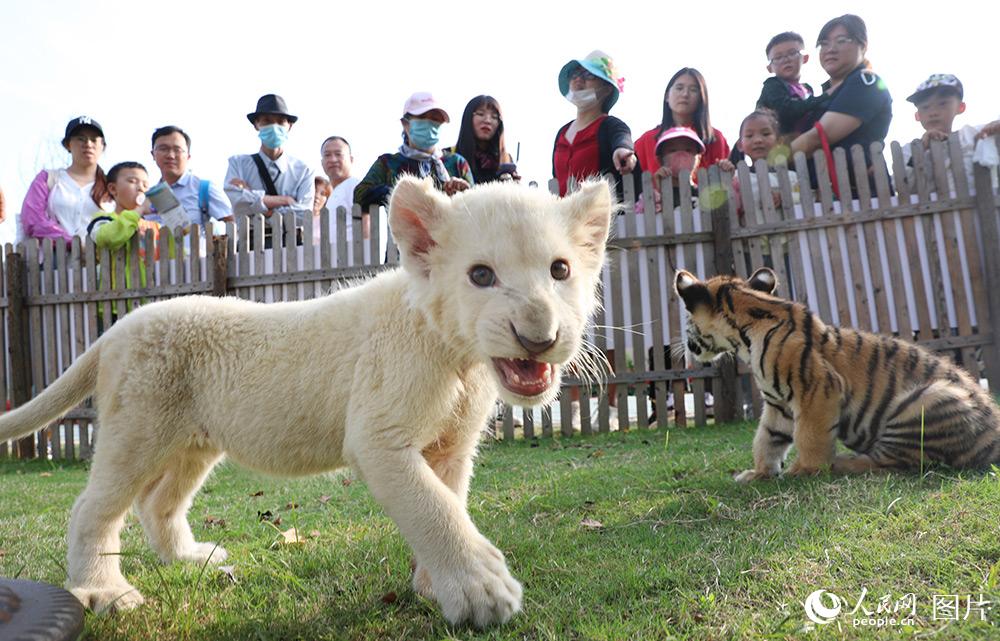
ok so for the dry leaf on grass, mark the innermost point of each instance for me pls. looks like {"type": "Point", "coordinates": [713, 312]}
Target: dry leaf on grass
{"type": "Point", "coordinates": [291, 506]}
{"type": "Point", "coordinates": [345, 481]}
{"type": "Point", "coordinates": [592, 524]}
{"type": "Point", "coordinates": [264, 516]}
{"type": "Point", "coordinates": [389, 598]}
{"type": "Point", "coordinates": [325, 499]}
{"type": "Point", "coordinates": [257, 493]}
{"type": "Point", "coordinates": [291, 537]}
{"type": "Point", "coordinates": [314, 534]}
{"type": "Point", "coordinates": [211, 521]}
{"type": "Point", "coordinates": [45, 474]}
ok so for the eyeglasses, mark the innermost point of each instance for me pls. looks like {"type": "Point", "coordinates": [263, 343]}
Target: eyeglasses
{"type": "Point", "coordinates": [691, 90]}
{"type": "Point", "coordinates": [487, 115]}
{"type": "Point", "coordinates": [167, 150]}
{"type": "Point", "coordinates": [581, 73]}
{"type": "Point", "coordinates": [785, 57]}
{"type": "Point", "coordinates": [840, 42]}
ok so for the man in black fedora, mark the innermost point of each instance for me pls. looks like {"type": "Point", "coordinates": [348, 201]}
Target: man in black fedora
{"type": "Point", "coordinates": [270, 181]}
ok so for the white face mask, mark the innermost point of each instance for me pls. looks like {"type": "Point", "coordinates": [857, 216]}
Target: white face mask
{"type": "Point", "coordinates": [140, 198]}
{"type": "Point", "coordinates": [583, 99]}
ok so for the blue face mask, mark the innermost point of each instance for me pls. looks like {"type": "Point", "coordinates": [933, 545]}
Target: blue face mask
{"type": "Point", "coordinates": [273, 136]}
{"type": "Point", "coordinates": [424, 134]}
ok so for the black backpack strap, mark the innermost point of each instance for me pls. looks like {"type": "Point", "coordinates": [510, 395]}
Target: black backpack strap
{"type": "Point", "coordinates": [265, 175]}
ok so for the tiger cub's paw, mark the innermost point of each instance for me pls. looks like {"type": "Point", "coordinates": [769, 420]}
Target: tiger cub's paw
{"type": "Point", "coordinates": [746, 476]}
{"type": "Point", "coordinates": [799, 469]}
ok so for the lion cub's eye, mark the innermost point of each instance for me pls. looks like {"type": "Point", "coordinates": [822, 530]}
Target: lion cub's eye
{"type": "Point", "coordinates": [559, 270]}
{"type": "Point", "coordinates": [482, 276]}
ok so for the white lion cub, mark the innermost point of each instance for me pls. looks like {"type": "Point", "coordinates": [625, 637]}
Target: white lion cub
{"type": "Point", "coordinates": [395, 378]}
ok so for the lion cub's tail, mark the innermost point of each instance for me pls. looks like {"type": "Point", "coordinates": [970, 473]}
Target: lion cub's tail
{"type": "Point", "coordinates": [64, 394]}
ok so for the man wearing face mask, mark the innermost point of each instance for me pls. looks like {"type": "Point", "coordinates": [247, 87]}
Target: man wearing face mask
{"type": "Point", "coordinates": [270, 181]}
{"type": "Point", "coordinates": [594, 142]}
{"type": "Point", "coordinates": [418, 156]}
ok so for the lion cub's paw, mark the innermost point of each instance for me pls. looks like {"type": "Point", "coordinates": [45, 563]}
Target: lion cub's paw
{"type": "Point", "coordinates": [204, 552]}
{"type": "Point", "coordinates": [111, 598]}
{"type": "Point", "coordinates": [748, 476]}
{"type": "Point", "coordinates": [484, 592]}
{"type": "Point", "coordinates": [422, 584]}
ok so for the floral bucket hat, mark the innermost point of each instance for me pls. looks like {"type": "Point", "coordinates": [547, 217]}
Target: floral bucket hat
{"type": "Point", "coordinates": [601, 65]}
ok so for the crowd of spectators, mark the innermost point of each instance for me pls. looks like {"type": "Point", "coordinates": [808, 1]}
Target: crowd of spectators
{"type": "Point", "coordinates": [854, 107]}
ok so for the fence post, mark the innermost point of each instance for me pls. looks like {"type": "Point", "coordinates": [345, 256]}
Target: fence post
{"type": "Point", "coordinates": [17, 344]}
{"type": "Point", "coordinates": [987, 212]}
{"type": "Point", "coordinates": [727, 400]}
{"type": "Point", "coordinates": [220, 266]}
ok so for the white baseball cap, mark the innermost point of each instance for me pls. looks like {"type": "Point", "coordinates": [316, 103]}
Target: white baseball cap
{"type": "Point", "coordinates": [421, 102]}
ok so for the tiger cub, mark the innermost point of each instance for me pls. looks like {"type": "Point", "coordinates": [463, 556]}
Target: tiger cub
{"type": "Point", "coordinates": [820, 383]}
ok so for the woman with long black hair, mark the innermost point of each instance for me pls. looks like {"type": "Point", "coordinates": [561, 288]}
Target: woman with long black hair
{"type": "Point", "coordinates": [685, 104]}
{"type": "Point", "coordinates": [481, 140]}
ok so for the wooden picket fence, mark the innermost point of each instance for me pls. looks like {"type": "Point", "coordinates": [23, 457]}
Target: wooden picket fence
{"type": "Point", "coordinates": [911, 257]}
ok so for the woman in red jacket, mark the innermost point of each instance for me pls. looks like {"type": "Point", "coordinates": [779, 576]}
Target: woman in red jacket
{"type": "Point", "coordinates": [685, 104]}
{"type": "Point", "coordinates": [594, 143]}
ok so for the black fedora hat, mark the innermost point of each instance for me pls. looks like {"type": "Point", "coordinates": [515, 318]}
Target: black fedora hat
{"type": "Point", "coordinates": [271, 104]}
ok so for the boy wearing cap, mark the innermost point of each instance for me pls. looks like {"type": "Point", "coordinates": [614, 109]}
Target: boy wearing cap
{"type": "Point", "coordinates": [270, 181]}
{"type": "Point", "coordinates": [418, 156]}
{"type": "Point", "coordinates": [784, 93]}
{"type": "Point", "coordinates": [939, 100]}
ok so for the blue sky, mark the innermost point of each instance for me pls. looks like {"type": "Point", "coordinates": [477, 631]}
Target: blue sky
{"type": "Point", "coordinates": [347, 69]}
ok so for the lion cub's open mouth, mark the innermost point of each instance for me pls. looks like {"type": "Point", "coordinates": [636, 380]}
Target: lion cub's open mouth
{"type": "Point", "coordinates": [524, 377]}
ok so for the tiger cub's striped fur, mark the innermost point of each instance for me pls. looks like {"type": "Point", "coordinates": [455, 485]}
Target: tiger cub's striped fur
{"type": "Point", "coordinates": [821, 383]}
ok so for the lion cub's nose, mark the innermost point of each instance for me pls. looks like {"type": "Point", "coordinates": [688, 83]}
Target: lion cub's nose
{"type": "Point", "coordinates": [534, 347]}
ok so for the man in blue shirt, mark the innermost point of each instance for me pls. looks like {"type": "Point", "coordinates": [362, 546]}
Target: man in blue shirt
{"type": "Point", "coordinates": [172, 151]}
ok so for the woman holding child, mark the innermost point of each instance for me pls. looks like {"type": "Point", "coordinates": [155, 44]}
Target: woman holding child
{"type": "Point", "coordinates": [685, 104]}
{"type": "Point", "coordinates": [860, 107]}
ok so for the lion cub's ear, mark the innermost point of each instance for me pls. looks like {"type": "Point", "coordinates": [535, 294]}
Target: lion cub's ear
{"type": "Point", "coordinates": [590, 210]}
{"type": "Point", "coordinates": [764, 280]}
{"type": "Point", "coordinates": [415, 210]}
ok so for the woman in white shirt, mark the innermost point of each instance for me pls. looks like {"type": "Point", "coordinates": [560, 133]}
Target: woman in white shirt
{"type": "Point", "coordinates": [60, 203]}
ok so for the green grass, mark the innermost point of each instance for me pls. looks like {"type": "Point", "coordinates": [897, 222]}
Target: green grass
{"type": "Point", "coordinates": [684, 552]}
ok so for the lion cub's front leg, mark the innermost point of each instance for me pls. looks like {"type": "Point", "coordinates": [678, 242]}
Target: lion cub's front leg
{"type": "Point", "coordinates": [468, 573]}
{"type": "Point", "coordinates": [451, 458]}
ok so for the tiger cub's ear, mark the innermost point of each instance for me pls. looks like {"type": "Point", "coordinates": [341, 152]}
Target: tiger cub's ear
{"type": "Point", "coordinates": [691, 290]}
{"type": "Point", "coordinates": [763, 280]}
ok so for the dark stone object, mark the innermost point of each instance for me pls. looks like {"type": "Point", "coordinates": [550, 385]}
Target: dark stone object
{"type": "Point", "coordinates": [32, 611]}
